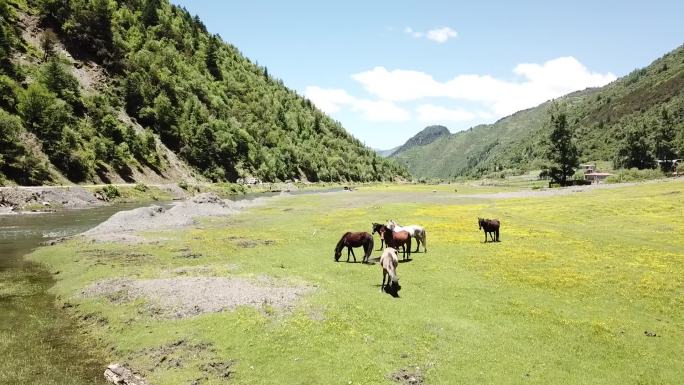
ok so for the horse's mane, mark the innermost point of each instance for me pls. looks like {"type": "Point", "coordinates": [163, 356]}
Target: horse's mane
{"type": "Point", "coordinates": [341, 241]}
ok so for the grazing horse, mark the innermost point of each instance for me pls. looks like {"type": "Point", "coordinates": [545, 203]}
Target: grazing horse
{"type": "Point", "coordinates": [490, 226]}
{"type": "Point", "coordinates": [389, 263]}
{"type": "Point", "coordinates": [376, 229]}
{"type": "Point", "coordinates": [416, 231]}
{"type": "Point", "coordinates": [396, 239]}
{"type": "Point", "coordinates": [351, 240]}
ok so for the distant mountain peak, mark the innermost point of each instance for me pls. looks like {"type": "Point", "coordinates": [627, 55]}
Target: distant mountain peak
{"type": "Point", "coordinates": [428, 135]}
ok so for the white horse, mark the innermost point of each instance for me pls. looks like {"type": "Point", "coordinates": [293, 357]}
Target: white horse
{"type": "Point", "coordinates": [416, 231]}
{"type": "Point", "coordinates": [389, 262]}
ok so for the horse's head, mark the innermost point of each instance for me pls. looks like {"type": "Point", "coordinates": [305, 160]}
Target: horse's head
{"type": "Point", "coordinates": [376, 227]}
{"type": "Point", "coordinates": [338, 254]}
{"type": "Point", "coordinates": [480, 221]}
{"type": "Point", "coordinates": [391, 224]}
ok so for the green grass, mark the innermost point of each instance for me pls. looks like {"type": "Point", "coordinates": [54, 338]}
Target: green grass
{"type": "Point", "coordinates": [566, 297]}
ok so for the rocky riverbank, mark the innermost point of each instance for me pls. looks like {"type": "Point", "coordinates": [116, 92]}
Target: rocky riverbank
{"type": "Point", "coordinates": [17, 199]}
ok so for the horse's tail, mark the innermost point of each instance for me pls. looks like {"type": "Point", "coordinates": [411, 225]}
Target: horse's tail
{"type": "Point", "coordinates": [369, 247]}
{"type": "Point", "coordinates": [423, 234]}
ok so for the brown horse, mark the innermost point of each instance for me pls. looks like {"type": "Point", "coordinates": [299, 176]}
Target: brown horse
{"type": "Point", "coordinates": [489, 226]}
{"type": "Point", "coordinates": [376, 229]}
{"type": "Point", "coordinates": [351, 240]}
{"type": "Point", "coordinates": [396, 239]}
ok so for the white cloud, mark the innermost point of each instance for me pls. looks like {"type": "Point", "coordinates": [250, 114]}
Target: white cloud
{"type": "Point", "coordinates": [381, 111]}
{"type": "Point", "coordinates": [397, 85]}
{"type": "Point", "coordinates": [439, 35]}
{"type": "Point", "coordinates": [400, 95]}
{"type": "Point", "coordinates": [410, 31]}
{"type": "Point", "coordinates": [328, 100]}
{"type": "Point", "coordinates": [536, 83]}
{"type": "Point", "coordinates": [332, 100]}
{"type": "Point", "coordinates": [429, 113]}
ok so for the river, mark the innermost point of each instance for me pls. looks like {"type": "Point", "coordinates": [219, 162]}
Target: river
{"type": "Point", "coordinates": [40, 345]}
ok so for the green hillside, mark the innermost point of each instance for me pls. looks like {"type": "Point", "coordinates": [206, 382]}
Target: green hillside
{"type": "Point", "coordinates": [428, 135]}
{"type": "Point", "coordinates": [100, 90]}
{"type": "Point", "coordinates": [601, 118]}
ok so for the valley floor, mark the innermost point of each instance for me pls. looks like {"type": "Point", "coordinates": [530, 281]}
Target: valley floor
{"type": "Point", "coordinates": [583, 288]}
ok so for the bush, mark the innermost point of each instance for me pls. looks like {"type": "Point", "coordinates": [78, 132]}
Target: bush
{"type": "Point", "coordinates": [141, 187]}
{"type": "Point", "coordinates": [634, 175]}
{"type": "Point", "coordinates": [109, 192]}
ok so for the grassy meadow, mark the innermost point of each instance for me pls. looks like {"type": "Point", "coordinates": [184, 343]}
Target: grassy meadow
{"type": "Point", "coordinates": [584, 289]}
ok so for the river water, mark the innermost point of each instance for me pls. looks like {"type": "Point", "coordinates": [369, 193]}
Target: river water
{"type": "Point", "coordinates": [39, 344]}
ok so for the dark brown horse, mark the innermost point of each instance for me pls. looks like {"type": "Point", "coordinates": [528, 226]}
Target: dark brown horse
{"type": "Point", "coordinates": [491, 227]}
{"type": "Point", "coordinates": [351, 240]}
{"type": "Point", "coordinates": [376, 229]}
{"type": "Point", "coordinates": [396, 239]}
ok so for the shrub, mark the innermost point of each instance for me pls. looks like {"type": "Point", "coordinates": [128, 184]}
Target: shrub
{"type": "Point", "coordinates": [109, 192]}
{"type": "Point", "coordinates": [141, 187]}
{"type": "Point", "coordinates": [634, 175]}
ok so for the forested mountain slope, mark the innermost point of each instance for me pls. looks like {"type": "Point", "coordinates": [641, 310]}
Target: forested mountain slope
{"type": "Point", "coordinates": [94, 90]}
{"type": "Point", "coordinates": [646, 99]}
{"type": "Point", "coordinates": [426, 136]}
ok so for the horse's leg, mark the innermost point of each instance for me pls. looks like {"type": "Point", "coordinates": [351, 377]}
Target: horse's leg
{"type": "Point", "coordinates": [485, 236]}
{"type": "Point", "coordinates": [352, 253]}
{"type": "Point", "coordinates": [382, 286]}
{"type": "Point", "coordinates": [424, 241]}
{"type": "Point", "coordinates": [497, 235]}
{"type": "Point", "coordinates": [417, 244]}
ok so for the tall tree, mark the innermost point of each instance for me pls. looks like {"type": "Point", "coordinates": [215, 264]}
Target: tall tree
{"type": "Point", "coordinates": [212, 57]}
{"type": "Point", "coordinates": [562, 151]}
{"type": "Point", "coordinates": [664, 141]}
{"type": "Point", "coordinates": [150, 16]}
{"type": "Point", "coordinates": [636, 151]}
{"type": "Point", "coordinates": [48, 41]}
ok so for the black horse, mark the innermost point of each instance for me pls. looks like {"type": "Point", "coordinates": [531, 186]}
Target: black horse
{"type": "Point", "coordinates": [491, 227]}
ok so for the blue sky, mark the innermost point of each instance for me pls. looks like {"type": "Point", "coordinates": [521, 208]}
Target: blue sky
{"type": "Point", "coordinates": [386, 69]}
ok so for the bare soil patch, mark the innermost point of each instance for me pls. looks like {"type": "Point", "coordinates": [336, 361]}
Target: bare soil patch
{"type": "Point", "coordinates": [183, 297]}
{"type": "Point", "coordinates": [408, 376]}
{"type": "Point", "coordinates": [124, 225]}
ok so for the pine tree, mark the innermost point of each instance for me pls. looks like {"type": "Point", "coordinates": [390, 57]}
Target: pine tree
{"type": "Point", "coordinates": [212, 57]}
{"type": "Point", "coordinates": [47, 43]}
{"type": "Point", "coordinates": [664, 141]}
{"type": "Point", "coordinates": [562, 151]}
{"type": "Point", "coordinates": [150, 15]}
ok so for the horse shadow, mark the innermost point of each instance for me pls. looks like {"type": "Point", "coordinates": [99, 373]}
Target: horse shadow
{"type": "Point", "coordinates": [391, 290]}
{"type": "Point", "coordinates": [406, 260]}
